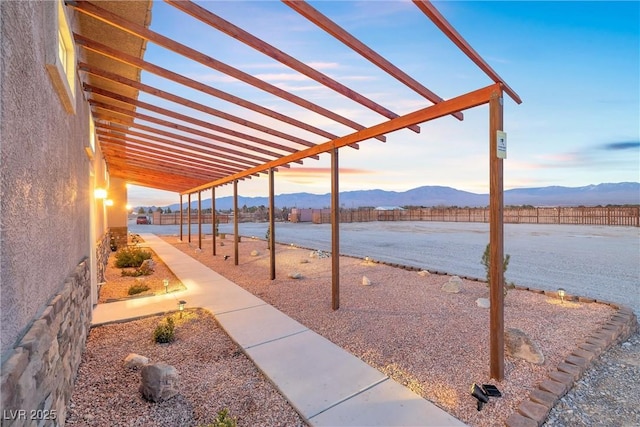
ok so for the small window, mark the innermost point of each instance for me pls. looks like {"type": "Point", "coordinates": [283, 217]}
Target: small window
{"type": "Point", "coordinates": [62, 65]}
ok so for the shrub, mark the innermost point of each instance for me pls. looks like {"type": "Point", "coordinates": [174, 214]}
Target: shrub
{"type": "Point", "coordinates": [131, 257]}
{"type": "Point", "coordinates": [486, 261]}
{"type": "Point", "coordinates": [223, 419]}
{"type": "Point", "coordinates": [165, 332]}
{"type": "Point", "coordinates": [137, 289]}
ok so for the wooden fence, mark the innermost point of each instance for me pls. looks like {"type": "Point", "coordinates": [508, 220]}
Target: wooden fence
{"type": "Point", "coordinates": [614, 215]}
{"type": "Point", "coordinates": [621, 216]}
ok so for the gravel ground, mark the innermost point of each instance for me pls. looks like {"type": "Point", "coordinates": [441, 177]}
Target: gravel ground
{"type": "Point", "coordinates": [434, 342]}
{"type": "Point", "coordinates": [607, 394]}
{"type": "Point", "coordinates": [214, 374]}
{"type": "Point", "coordinates": [116, 285]}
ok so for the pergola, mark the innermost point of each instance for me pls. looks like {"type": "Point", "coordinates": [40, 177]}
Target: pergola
{"type": "Point", "coordinates": [183, 153]}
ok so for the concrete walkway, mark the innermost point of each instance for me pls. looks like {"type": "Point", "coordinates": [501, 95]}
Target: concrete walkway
{"type": "Point", "coordinates": [325, 384]}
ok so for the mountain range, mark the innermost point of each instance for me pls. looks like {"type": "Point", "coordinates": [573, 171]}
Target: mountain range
{"type": "Point", "coordinates": [623, 193]}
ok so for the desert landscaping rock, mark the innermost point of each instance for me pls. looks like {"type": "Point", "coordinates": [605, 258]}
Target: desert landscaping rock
{"type": "Point", "coordinates": [135, 361]}
{"type": "Point", "coordinates": [295, 275]}
{"type": "Point", "coordinates": [519, 345]}
{"type": "Point", "coordinates": [366, 281]}
{"type": "Point", "coordinates": [483, 302]}
{"type": "Point", "coordinates": [159, 382]}
{"type": "Point", "coordinates": [452, 286]}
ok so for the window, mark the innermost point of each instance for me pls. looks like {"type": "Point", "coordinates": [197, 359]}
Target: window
{"type": "Point", "coordinates": [62, 65]}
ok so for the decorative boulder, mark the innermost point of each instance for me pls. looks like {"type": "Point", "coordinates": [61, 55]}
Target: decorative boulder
{"type": "Point", "coordinates": [147, 265]}
{"type": "Point", "coordinates": [520, 346]}
{"type": "Point", "coordinates": [366, 281]}
{"type": "Point", "coordinates": [135, 361]}
{"type": "Point", "coordinates": [295, 275]}
{"type": "Point", "coordinates": [423, 273]}
{"type": "Point", "coordinates": [453, 285]}
{"type": "Point", "coordinates": [255, 253]}
{"type": "Point", "coordinates": [483, 302]}
{"type": "Point", "coordinates": [159, 382]}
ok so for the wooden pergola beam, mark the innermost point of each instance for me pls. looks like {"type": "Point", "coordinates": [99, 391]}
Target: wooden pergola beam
{"type": "Point", "coordinates": [439, 20]}
{"type": "Point", "coordinates": [330, 27]}
{"type": "Point", "coordinates": [191, 104]}
{"type": "Point", "coordinates": [187, 129]}
{"type": "Point", "coordinates": [189, 119]}
{"type": "Point", "coordinates": [116, 21]}
{"type": "Point", "coordinates": [444, 108]}
{"type": "Point", "coordinates": [166, 166]}
{"type": "Point", "coordinates": [124, 58]}
{"type": "Point", "coordinates": [249, 39]}
{"type": "Point", "coordinates": [128, 146]}
{"type": "Point", "coordinates": [178, 147]}
{"type": "Point", "coordinates": [193, 144]}
{"type": "Point", "coordinates": [150, 178]}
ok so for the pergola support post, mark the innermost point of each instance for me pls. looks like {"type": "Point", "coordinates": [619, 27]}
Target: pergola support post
{"type": "Point", "coordinates": [200, 220]}
{"type": "Point", "coordinates": [335, 231]}
{"type": "Point", "coordinates": [181, 219]}
{"type": "Point", "coordinates": [189, 217]}
{"type": "Point", "coordinates": [496, 239]}
{"type": "Point", "coordinates": [272, 227]}
{"type": "Point", "coordinates": [235, 222]}
{"type": "Point", "coordinates": [214, 219]}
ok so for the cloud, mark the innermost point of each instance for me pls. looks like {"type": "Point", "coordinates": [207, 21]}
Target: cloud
{"type": "Point", "coordinates": [617, 146]}
{"type": "Point", "coordinates": [319, 172]}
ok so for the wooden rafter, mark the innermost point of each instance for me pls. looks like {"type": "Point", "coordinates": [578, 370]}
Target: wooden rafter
{"type": "Point", "coordinates": [444, 108]}
{"type": "Point", "coordinates": [238, 33]}
{"type": "Point", "coordinates": [436, 17]}
{"type": "Point", "coordinates": [183, 128]}
{"type": "Point", "coordinates": [177, 147]}
{"type": "Point", "coordinates": [191, 104]}
{"type": "Point", "coordinates": [313, 15]}
{"type": "Point", "coordinates": [206, 60]}
{"type": "Point", "coordinates": [189, 119]}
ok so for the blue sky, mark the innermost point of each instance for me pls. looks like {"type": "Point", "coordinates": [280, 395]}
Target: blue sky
{"type": "Point", "coordinates": [576, 66]}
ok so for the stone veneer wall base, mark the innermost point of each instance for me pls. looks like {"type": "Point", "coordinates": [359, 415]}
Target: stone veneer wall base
{"type": "Point", "coordinates": [39, 373]}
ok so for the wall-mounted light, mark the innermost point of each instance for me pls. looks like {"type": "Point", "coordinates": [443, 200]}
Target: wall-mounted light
{"type": "Point", "coordinates": [128, 207]}
{"type": "Point", "coordinates": [165, 282]}
{"type": "Point", "coordinates": [108, 202]}
{"type": "Point", "coordinates": [561, 294]}
{"type": "Point", "coordinates": [100, 193]}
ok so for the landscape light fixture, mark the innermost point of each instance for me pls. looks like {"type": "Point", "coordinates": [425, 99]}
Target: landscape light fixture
{"type": "Point", "coordinates": [561, 294]}
{"type": "Point", "coordinates": [100, 193]}
{"type": "Point", "coordinates": [181, 304]}
{"type": "Point", "coordinates": [165, 282]}
{"type": "Point", "coordinates": [479, 394]}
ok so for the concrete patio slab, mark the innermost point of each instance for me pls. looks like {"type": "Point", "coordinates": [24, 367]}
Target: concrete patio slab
{"type": "Point", "coordinates": [387, 404]}
{"type": "Point", "coordinates": [312, 372]}
{"type": "Point", "coordinates": [258, 325]}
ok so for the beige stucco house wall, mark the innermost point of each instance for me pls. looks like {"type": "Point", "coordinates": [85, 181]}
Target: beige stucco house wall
{"type": "Point", "coordinates": [53, 228]}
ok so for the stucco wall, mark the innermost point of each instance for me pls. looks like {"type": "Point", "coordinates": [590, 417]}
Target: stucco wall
{"type": "Point", "coordinates": [44, 204]}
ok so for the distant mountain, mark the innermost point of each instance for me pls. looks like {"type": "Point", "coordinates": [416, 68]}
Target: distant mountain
{"type": "Point", "coordinates": [591, 195]}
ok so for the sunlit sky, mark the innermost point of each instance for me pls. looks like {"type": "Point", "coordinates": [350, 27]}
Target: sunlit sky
{"type": "Point", "coordinates": [576, 66]}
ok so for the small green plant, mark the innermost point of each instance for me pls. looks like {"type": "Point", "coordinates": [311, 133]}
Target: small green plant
{"type": "Point", "coordinates": [165, 332]}
{"type": "Point", "coordinates": [223, 419]}
{"type": "Point", "coordinates": [486, 261]}
{"type": "Point", "coordinates": [267, 236]}
{"type": "Point", "coordinates": [137, 289]}
{"type": "Point", "coordinates": [131, 257]}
